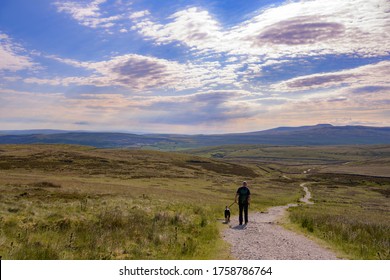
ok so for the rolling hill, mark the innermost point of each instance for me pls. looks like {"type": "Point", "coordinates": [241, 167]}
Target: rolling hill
{"type": "Point", "coordinates": [322, 134]}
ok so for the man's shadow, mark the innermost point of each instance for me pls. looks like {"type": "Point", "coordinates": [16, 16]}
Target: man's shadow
{"type": "Point", "coordinates": [239, 227]}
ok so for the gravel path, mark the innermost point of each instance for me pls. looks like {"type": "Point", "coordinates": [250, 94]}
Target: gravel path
{"type": "Point", "coordinates": [264, 239]}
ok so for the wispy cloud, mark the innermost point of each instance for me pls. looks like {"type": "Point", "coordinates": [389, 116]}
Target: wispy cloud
{"type": "Point", "coordinates": [87, 13]}
{"type": "Point", "coordinates": [13, 57]}
{"type": "Point", "coordinates": [139, 14]}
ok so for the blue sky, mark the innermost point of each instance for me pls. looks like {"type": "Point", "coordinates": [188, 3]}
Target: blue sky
{"type": "Point", "coordinates": [193, 66]}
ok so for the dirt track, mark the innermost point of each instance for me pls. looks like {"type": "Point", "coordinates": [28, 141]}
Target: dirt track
{"type": "Point", "coordinates": [264, 239]}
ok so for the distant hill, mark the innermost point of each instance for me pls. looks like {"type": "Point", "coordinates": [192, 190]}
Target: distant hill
{"type": "Point", "coordinates": [288, 129]}
{"type": "Point", "coordinates": [31, 131]}
{"type": "Point", "coordinates": [95, 139]}
{"type": "Point", "coordinates": [322, 134]}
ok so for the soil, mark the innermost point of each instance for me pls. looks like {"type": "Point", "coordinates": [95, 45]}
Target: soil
{"type": "Point", "coordinates": [264, 239]}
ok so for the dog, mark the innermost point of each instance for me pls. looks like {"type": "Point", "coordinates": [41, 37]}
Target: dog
{"type": "Point", "coordinates": [227, 215]}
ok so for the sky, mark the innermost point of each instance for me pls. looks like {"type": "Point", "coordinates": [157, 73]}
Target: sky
{"type": "Point", "coordinates": [193, 66]}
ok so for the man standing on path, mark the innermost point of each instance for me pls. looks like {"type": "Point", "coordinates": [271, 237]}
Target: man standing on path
{"type": "Point", "coordinates": [244, 197]}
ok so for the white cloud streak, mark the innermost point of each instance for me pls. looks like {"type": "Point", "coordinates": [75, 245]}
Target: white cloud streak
{"type": "Point", "coordinates": [12, 55]}
{"type": "Point", "coordinates": [88, 14]}
{"type": "Point", "coordinates": [139, 14]}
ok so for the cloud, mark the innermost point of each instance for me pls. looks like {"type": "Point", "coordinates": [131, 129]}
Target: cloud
{"type": "Point", "coordinates": [237, 55]}
{"type": "Point", "coordinates": [299, 31]}
{"type": "Point", "coordinates": [340, 106]}
{"type": "Point", "coordinates": [214, 77]}
{"type": "Point", "coordinates": [318, 81]}
{"type": "Point", "coordinates": [82, 123]}
{"type": "Point", "coordinates": [193, 27]}
{"type": "Point", "coordinates": [216, 107]}
{"type": "Point", "coordinates": [87, 14]}
{"type": "Point", "coordinates": [220, 109]}
{"type": "Point", "coordinates": [370, 89]}
{"type": "Point", "coordinates": [12, 55]}
{"type": "Point", "coordinates": [47, 110]}
{"type": "Point", "coordinates": [372, 76]}
{"type": "Point", "coordinates": [143, 73]}
{"type": "Point", "coordinates": [299, 28]}
{"type": "Point", "coordinates": [139, 14]}
{"type": "Point", "coordinates": [307, 28]}
{"type": "Point", "coordinates": [131, 71]}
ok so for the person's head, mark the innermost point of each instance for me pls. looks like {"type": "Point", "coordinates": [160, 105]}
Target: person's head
{"type": "Point", "coordinates": [244, 183]}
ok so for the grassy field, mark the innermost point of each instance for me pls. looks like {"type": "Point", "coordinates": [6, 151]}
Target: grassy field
{"type": "Point", "coordinates": [350, 186]}
{"type": "Point", "coordinates": [351, 212]}
{"type": "Point", "coordinates": [75, 202]}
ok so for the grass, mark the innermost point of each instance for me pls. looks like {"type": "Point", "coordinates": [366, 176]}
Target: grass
{"type": "Point", "coordinates": [351, 213]}
{"type": "Point", "coordinates": [350, 187]}
{"type": "Point", "coordinates": [357, 159]}
{"type": "Point", "coordinates": [59, 225]}
{"type": "Point", "coordinates": [74, 202]}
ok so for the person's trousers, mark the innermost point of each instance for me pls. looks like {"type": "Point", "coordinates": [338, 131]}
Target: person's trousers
{"type": "Point", "coordinates": [243, 208]}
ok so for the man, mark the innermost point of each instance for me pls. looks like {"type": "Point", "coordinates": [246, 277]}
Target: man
{"type": "Point", "coordinates": [243, 196]}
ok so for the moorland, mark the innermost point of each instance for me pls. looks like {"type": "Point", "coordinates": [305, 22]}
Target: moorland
{"type": "Point", "coordinates": [81, 202]}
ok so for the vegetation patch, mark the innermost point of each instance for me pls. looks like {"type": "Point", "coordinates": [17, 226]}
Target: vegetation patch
{"type": "Point", "coordinates": [75, 202]}
{"type": "Point", "coordinates": [349, 213]}
{"type": "Point", "coordinates": [107, 228]}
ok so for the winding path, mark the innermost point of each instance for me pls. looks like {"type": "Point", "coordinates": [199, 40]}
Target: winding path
{"type": "Point", "coordinates": [264, 239]}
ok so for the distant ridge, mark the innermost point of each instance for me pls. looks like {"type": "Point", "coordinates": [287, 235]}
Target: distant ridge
{"type": "Point", "coordinates": [31, 131]}
{"type": "Point", "coordinates": [284, 129]}
{"type": "Point", "coordinates": [321, 134]}
{"type": "Point", "coordinates": [95, 139]}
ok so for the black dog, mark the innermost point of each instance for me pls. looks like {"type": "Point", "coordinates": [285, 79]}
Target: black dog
{"type": "Point", "coordinates": [227, 215]}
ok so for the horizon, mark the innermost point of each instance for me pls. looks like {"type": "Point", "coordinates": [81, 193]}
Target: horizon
{"type": "Point", "coordinates": [193, 67]}
{"type": "Point", "coordinates": [171, 133]}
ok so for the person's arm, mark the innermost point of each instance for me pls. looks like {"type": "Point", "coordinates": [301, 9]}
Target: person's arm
{"type": "Point", "coordinates": [235, 199]}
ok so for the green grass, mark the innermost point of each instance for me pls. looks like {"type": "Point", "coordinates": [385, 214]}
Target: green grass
{"type": "Point", "coordinates": [351, 213]}
{"type": "Point", "coordinates": [77, 227]}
